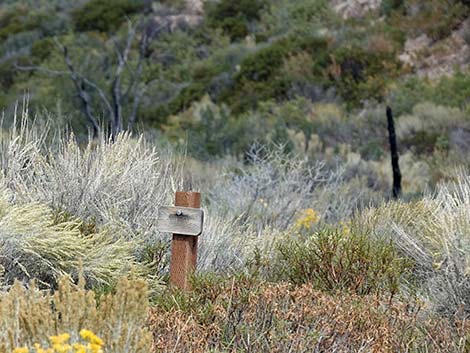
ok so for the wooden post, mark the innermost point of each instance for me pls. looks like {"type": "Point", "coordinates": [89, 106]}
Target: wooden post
{"type": "Point", "coordinates": [184, 247]}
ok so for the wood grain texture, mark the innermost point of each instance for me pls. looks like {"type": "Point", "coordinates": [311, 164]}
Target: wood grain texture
{"type": "Point", "coordinates": [184, 247]}
{"type": "Point", "coordinates": [180, 220]}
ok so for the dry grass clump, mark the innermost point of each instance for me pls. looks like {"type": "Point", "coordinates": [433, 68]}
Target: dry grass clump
{"type": "Point", "coordinates": [37, 243]}
{"type": "Point", "coordinates": [435, 233]}
{"type": "Point", "coordinates": [243, 315]}
{"type": "Point", "coordinates": [65, 202]}
{"type": "Point", "coordinates": [29, 316]}
{"type": "Point", "coordinates": [120, 183]}
{"type": "Point", "coordinates": [430, 117]}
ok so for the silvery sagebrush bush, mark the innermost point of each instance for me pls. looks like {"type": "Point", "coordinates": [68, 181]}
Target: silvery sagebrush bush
{"type": "Point", "coordinates": [435, 233]}
{"type": "Point", "coordinates": [51, 188]}
{"type": "Point", "coordinates": [35, 243]}
{"type": "Point", "coordinates": [251, 205]}
{"type": "Point", "coordinates": [122, 183]}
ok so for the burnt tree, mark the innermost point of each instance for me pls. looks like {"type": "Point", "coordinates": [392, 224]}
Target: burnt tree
{"type": "Point", "coordinates": [392, 137]}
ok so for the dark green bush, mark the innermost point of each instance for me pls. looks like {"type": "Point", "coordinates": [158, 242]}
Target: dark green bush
{"type": "Point", "coordinates": [41, 49]}
{"type": "Point", "coordinates": [104, 15]}
{"type": "Point", "coordinates": [202, 76]}
{"type": "Point", "coordinates": [359, 74]}
{"type": "Point", "coordinates": [259, 78]}
{"type": "Point", "coordinates": [187, 96]}
{"type": "Point", "coordinates": [372, 150]}
{"type": "Point", "coordinates": [342, 259]}
{"type": "Point", "coordinates": [9, 74]}
{"type": "Point", "coordinates": [234, 17]}
{"type": "Point", "coordinates": [264, 64]}
{"type": "Point", "coordinates": [235, 27]}
{"type": "Point", "coordinates": [425, 142]}
{"type": "Point", "coordinates": [452, 91]}
{"type": "Point", "coordinates": [19, 19]}
{"type": "Point", "coordinates": [388, 6]}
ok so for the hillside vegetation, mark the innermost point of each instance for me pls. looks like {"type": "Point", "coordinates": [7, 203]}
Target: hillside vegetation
{"type": "Point", "coordinates": [275, 111]}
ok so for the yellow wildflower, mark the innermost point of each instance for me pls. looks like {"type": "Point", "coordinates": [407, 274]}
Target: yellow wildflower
{"type": "Point", "coordinates": [307, 219]}
{"type": "Point", "coordinates": [39, 349]}
{"type": "Point", "coordinates": [60, 339]}
{"type": "Point", "coordinates": [345, 227]}
{"type": "Point", "coordinates": [79, 348]}
{"type": "Point", "coordinates": [95, 348]}
{"type": "Point", "coordinates": [62, 348]}
{"type": "Point", "coordinates": [90, 337]}
{"type": "Point", "coordinates": [21, 350]}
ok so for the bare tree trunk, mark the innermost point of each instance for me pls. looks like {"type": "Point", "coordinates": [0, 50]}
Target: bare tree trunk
{"type": "Point", "coordinates": [116, 119]}
{"type": "Point", "coordinates": [82, 93]}
{"type": "Point", "coordinates": [122, 95]}
{"type": "Point", "coordinates": [394, 154]}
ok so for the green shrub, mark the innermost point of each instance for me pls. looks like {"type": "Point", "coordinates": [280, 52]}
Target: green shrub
{"type": "Point", "coordinates": [260, 78]}
{"type": "Point", "coordinates": [372, 150]}
{"type": "Point", "coordinates": [104, 15]}
{"type": "Point", "coordinates": [407, 93]}
{"type": "Point", "coordinates": [19, 18]}
{"type": "Point", "coordinates": [341, 259]}
{"type": "Point", "coordinates": [450, 91]}
{"type": "Point", "coordinates": [187, 96]}
{"type": "Point", "coordinates": [359, 74]}
{"type": "Point", "coordinates": [356, 73]}
{"type": "Point", "coordinates": [42, 48]}
{"type": "Point", "coordinates": [388, 6]}
{"type": "Point", "coordinates": [202, 76]}
{"type": "Point", "coordinates": [234, 17]}
{"type": "Point", "coordinates": [435, 233]}
{"type": "Point", "coordinates": [303, 16]}
{"type": "Point", "coordinates": [424, 142]}
{"type": "Point", "coordinates": [7, 75]}
{"type": "Point", "coordinates": [262, 65]}
{"type": "Point", "coordinates": [215, 132]}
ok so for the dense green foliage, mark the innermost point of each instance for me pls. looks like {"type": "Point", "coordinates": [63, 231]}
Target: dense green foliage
{"type": "Point", "coordinates": [266, 68]}
{"type": "Point", "coordinates": [104, 15]}
{"type": "Point", "coordinates": [234, 17]}
{"type": "Point", "coordinates": [340, 259]}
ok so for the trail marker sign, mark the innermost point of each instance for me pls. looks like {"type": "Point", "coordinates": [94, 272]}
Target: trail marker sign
{"type": "Point", "coordinates": [180, 220]}
{"type": "Point", "coordinates": [185, 221]}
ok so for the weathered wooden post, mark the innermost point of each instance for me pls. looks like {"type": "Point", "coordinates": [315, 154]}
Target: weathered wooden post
{"type": "Point", "coordinates": [185, 221]}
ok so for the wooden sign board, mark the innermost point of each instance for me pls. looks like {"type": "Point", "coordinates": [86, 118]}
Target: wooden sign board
{"type": "Point", "coordinates": [180, 220]}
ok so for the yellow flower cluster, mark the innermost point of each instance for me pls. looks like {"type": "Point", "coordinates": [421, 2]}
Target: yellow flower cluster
{"type": "Point", "coordinates": [345, 227]}
{"type": "Point", "coordinates": [308, 218]}
{"type": "Point", "coordinates": [60, 344]}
